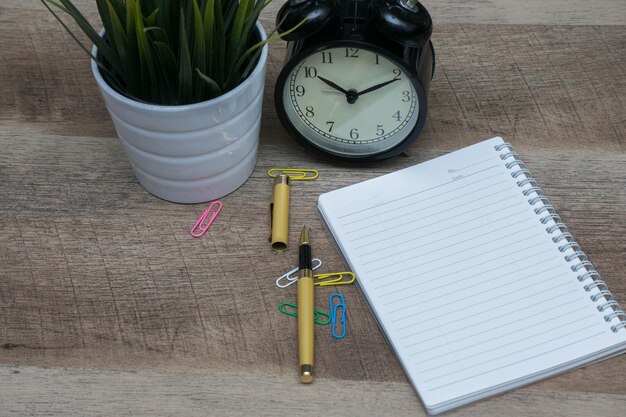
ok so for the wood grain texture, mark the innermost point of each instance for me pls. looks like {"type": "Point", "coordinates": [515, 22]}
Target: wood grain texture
{"type": "Point", "coordinates": [561, 12]}
{"type": "Point", "coordinates": [497, 12]}
{"type": "Point", "coordinates": [90, 392]}
{"type": "Point", "coordinates": [97, 273]}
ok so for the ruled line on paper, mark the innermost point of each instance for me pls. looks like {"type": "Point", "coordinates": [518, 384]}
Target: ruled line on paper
{"type": "Point", "coordinates": [391, 210]}
{"type": "Point", "coordinates": [413, 213]}
{"type": "Point", "coordinates": [382, 218]}
{"type": "Point", "coordinates": [447, 266]}
{"type": "Point", "coordinates": [549, 305]}
{"type": "Point", "coordinates": [471, 165]}
{"type": "Point", "coordinates": [508, 303]}
{"type": "Point", "coordinates": [452, 191]}
{"type": "Point", "coordinates": [460, 280]}
{"type": "Point", "coordinates": [476, 255]}
{"type": "Point", "coordinates": [483, 282]}
{"type": "Point", "coordinates": [572, 321]}
{"type": "Point", "coordinates": [457, 261]}
{"type": "Point", "coordinates": [516, 362]}
{"type": "Point", "coordinates": [430, 243]}
{"type": "Point", "coordinates": [419, 192]}
{"type": "Point", "coordinates": [475, 275]}
{"type": "Point", "coordinates": [377, 233]}
{"type": "Point", "coordinates": [526, 348]}
{"type": "Point", "coordinates": [411, 249]}
{"type": "Point", "coordinates": [512, 341]}
{"type": "Point", "coordinates": [455, 227]}
{"type": "Point", "coordinates": [430, 224]}
{"type": "Point", "coordinates": [552, 306]}
{"type": "Point", "coordinates": [471, 276]}
{"type": "Point", "coordinates": [464, 290]}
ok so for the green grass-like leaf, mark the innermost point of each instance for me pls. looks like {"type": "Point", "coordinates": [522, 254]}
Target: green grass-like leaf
{"type": "Point", "coordinates": [171, 52]}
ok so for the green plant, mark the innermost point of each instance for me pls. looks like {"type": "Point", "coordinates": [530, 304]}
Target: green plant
{"type": "Point", "coordinates": [172, 51]}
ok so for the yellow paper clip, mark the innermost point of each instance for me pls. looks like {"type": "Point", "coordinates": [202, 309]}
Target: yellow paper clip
{"type": "Point", "coordinates": [335, 278]}
{"type": "Point", "coordinates": [295, 174]}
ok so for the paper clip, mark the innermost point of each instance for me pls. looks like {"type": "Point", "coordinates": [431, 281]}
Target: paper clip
{"type": "Point", "coordinates": [333, 315]}
{"type": "Point", "coordinates": [295, 174]}
{"type": "Point", "coordinates": [337, 280]}
{"type": "Point", "coordinates": [292, 276]}
{"type": "Point", "coordinates": [199, 227]}
{"type": "Point", "coordinates": [294, 313]}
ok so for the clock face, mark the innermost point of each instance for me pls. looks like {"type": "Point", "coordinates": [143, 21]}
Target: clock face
{"type": "Point", "coordinates": [350, 101]}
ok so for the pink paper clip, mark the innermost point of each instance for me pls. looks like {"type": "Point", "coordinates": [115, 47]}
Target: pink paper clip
{"type": "Point", "coordinates": [198, 229]}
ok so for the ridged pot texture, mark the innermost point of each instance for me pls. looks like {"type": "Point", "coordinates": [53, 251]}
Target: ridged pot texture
{"type": "Point", "coordinates": [191, 153]}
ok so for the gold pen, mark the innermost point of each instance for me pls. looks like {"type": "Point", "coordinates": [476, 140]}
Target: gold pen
{"type": "Point", "coordinates": [279, 210]}
{"type": "Point", "coordinates": [306, 307]}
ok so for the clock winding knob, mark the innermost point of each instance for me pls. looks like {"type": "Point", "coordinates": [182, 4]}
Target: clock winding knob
{"type": "Point", "coordinates": [404, 21]}
{"type": "Point", "coordinates": [315, 13]}
{"type": "Point", "coordinates": [409, 4]}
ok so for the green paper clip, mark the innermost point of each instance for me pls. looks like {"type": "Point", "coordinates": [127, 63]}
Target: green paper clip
{"type": "Point", "coordinates": [294, 313]}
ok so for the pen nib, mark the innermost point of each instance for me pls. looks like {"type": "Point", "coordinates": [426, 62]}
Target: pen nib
{"type": "Point", "coordinates": [304, 236]}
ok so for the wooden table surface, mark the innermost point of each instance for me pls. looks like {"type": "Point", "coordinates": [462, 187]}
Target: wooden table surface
{"type": "Point", "coordinates": [109, 307]}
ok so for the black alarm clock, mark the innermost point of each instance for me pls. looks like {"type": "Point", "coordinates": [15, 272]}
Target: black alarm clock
{"type": "Point", "coordinates": [356, 75]}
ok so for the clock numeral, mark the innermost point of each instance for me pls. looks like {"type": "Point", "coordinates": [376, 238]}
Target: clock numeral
{"type": "Point", "coordinates": [354, 133]}
{"type": "Point", "coordinates": [327, 58]}
{"type": "Point", "coordinates": [406, 96]}
{"type": "Point", "coordinates": [396, 115]}
{"type": "Point", "coordinates": [330, 126]}
{"type": "Point", "coordinates": [377, 62]}
{"type": "Point", "coordinates": [379, 130]}
{"type": "Point", "coordinates": [397, 73]}
{"type": "Point", "coordinates": [309, 111]}
{"type": "Point", "coordinates": [300, 90]}
{"type": "Point", "coordinates": [310, 72]}
{"type": "Point", "coordinates": [352, 52]}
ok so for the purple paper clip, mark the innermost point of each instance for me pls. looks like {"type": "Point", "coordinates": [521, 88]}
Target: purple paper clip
{"type": "Point", "coordinates": [198, 229]}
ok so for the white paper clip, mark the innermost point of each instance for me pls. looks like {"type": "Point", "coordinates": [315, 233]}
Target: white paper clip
{"type": "Point", "coordinates": [292, 276]}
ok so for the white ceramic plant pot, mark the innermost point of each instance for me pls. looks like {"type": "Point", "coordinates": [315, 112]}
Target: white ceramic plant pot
{"type": "Point", "coordinates": [191, 153]}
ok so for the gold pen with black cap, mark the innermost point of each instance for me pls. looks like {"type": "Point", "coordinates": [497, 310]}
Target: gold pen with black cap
{"type": "Point", "coordinates": [306, 307]}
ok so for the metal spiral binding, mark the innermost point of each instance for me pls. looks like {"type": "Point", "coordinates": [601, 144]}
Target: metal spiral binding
{"type": "Point", "coordinates": [589, 275]}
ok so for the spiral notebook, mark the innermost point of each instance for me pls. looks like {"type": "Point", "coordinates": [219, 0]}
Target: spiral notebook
{"type": "Point", "coordinates": [472, 276]}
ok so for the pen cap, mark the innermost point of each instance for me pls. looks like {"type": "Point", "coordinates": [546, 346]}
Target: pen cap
{"type": "Point", "coordinates": [279, 209]}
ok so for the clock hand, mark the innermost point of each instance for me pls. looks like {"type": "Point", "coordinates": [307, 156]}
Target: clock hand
{"type": "Point", "coordinates": [333, 85]}
{"type": "Point", "coordinates": [376, 87]}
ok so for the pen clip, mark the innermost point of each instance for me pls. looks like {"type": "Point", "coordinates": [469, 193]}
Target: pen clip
{"type": "Point", "coordinates": [334, 307]}
{"type": "Point", "coordinates": [271, 221]}
{"type": "Point", "coordinates": [199, 229]}
{"type": "Point", "coordinates": [335, 278]}
{"type": "Point", "coordinates": [295, 174]}
{"type": "Point", "coordinates": [291, 276]}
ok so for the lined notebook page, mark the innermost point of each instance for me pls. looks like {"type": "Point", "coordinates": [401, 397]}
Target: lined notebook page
{"type": "Point", "coordinates": [465, 281]}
